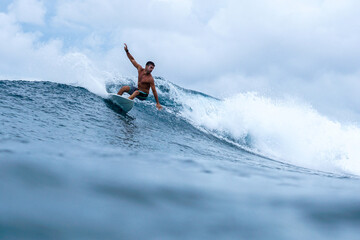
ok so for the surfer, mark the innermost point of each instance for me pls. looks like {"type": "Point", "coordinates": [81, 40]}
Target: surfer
{"type": "Point", "coordinates": [145, 81]}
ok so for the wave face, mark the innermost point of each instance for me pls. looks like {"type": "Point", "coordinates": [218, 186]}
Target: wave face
{"type": "Point", "coordinates": [74, 166]}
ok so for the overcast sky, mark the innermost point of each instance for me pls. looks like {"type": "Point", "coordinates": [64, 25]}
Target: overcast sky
{"type": "Point", "coordinates": [307, 49]}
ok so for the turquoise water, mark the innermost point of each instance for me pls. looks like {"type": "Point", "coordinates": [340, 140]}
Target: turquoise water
{"type": "Point", "coordinates": [73, 166]}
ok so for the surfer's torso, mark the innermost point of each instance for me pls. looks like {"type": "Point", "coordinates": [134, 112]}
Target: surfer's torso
{"type": "Point", "coordinates": [144, 80]}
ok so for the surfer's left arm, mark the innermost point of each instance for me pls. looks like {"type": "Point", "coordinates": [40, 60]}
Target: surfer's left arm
{"type": "Point", "coordinates": [153, 89]}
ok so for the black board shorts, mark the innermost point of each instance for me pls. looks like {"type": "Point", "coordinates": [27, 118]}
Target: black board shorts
{"type": "Point", "coordinates": [142, 95]}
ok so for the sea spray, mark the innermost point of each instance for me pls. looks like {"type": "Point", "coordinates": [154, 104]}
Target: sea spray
{"type": "Point", "coordinates": [82, 72]}
{"type": "Point", "coordinates": [72, 68]}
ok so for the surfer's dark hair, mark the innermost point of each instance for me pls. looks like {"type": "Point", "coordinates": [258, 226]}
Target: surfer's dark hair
{"type": "Point", "coordinates": [150, 63]}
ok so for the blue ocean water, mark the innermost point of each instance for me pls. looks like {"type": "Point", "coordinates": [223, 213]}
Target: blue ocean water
{"type": "Point", "coordinates": [74, 166]}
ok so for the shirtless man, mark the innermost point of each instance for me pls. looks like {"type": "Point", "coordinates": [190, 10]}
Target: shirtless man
{"type": "Point", "coordinates": [145, 81]}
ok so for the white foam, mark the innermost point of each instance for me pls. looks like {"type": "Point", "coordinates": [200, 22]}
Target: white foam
{"type": "Point", "coordinates": [284, 130]}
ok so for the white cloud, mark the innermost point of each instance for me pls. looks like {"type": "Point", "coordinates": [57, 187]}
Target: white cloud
{"type": "Point", "coordinates": [28, 11]}
{"type": "Point", "coordinates": [116, 15]}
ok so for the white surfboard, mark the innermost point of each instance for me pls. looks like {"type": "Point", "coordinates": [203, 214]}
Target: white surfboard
{"type": "Point", "coordinates": [124, 103]}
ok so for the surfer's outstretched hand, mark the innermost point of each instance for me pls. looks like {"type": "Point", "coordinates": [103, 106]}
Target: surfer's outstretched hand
{"type": "Point", "coordinates": [159, 107]}
{"type": "Point", "coordinates": [126, 48]}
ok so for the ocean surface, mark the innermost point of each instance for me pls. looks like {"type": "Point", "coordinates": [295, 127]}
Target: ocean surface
{"type": "Point", "coordinates": [74, 166]}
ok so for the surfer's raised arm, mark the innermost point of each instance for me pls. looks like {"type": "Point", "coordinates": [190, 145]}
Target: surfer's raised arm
{"type": "Point", "coordinates": [131, 58]}
{"type": "Point", "coordinates": [152, 85]}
